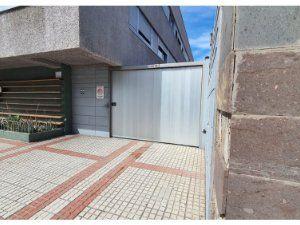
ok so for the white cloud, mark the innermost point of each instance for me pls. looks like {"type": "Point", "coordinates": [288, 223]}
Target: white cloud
{"type": "Point", "coordinates": [201, 42]}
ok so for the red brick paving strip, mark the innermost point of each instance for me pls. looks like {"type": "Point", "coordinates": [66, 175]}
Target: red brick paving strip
{"type": "Point", "coordinates": [40, 203]}
{"type": "Point", "coordinates": [59, 140]}
{"type": "Point", "coordinates": [36, 147]}
{"type": "Point", "coordinates": [165, 169]}
{"type": "Point", "coordinates": [12, 142]}
{"type": "Point", "coordinates": [16, 154]}
{"type": "Point", "coordinates": [71, 153]}
{"type": "Point", "coordinates": [28, 211]}
{"type": "Point", "coordinates": [17, 144]}
{"type": "Point", "coordinates": [81, 202]}
{"type": "Point", "coordinates": [11, 149]}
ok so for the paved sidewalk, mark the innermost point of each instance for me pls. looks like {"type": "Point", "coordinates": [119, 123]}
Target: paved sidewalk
{"type": "Point", "coordinates": [82, 177]}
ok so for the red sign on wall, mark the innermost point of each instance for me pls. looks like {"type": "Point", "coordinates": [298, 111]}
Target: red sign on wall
{"type": "Point", "coordinates": [100, 92]}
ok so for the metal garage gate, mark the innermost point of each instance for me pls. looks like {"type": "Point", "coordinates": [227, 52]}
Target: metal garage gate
{"type": "Point", "coordinates": [159, 103]}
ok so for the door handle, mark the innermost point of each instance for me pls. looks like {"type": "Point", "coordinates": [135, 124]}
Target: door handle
{"type": "Point", "coordinates": [113, 104]}
{"type": "Point", "coordinates": [203, 131]}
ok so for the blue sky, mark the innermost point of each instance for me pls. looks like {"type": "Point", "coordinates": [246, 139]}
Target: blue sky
{"type": "Point", "coordinates": [199, 21]}
{"type": "Point", "coordinates": [4, 7]}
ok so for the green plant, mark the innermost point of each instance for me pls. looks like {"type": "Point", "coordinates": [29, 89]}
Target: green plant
{"type": "Point", "coordinates": [26, 125]}
{"type": "Point", "coordinates": [18, 124]}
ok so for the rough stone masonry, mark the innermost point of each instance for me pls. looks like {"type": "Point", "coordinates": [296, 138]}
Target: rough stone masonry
{"type": "Point", "coordinates": [257, 149]}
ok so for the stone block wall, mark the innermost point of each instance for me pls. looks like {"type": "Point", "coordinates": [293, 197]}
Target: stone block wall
{"type": "Point", "coordinates": [259, 97]}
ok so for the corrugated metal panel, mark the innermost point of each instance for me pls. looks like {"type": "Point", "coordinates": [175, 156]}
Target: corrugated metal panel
{"type": "Point", "coordinates": [158, 104]}
{"type": "Point", "coordinates": [208, 138]}
{"type": "Point", "coordinates": [209, 107]}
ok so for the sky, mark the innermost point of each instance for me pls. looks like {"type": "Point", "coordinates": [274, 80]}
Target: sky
{"type": "Point", "coordinates": [4, 7]}
{"type": "Point", "coordinates": [199, 22]}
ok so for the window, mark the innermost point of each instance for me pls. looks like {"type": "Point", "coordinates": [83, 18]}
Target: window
{"type": "Point", "coordinates": [144, 37]}
{"type": "Point", "coordinates": [162, 54]}
{"type": "Point", "coordinates": [144, 29]}
{"type": "Point", "coordinates": [139, 25]}
{"type": "Point", "coordinates": [172, 22]}
{"type": "Point", "coordinates": [174, 28]}
{"type": "Point", "coordinates": [185, 55]}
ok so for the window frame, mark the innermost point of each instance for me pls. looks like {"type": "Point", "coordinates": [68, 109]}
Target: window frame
{"type": "Point", "coordinates": [155, 41]}
{"type": "Point", "coordinates": [164, 54]}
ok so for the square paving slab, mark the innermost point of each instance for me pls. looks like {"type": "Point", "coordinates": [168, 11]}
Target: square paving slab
{"type": "Point", "coordinates": [173, 156]}
{"type": "Point", "coordinates": [28, 176]}
{"type": "Point", "coordinates": [4, 146]}
{"type": "Point", "coordinates": [92, 145]}
{"type": "Point", "coordinates": [146, 194]}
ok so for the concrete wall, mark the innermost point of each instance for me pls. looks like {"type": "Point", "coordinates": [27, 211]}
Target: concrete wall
{"type": "Point", "coordinates": [81, 36]}
{"type": "Point", "coordinates": [105, 31]}
{"type": "Point", "coordinates": [91, 116]}
{"type": "Point", "coordinates": [159, 22]}
{"type": "Point", "coordinates": [258, 102]}
{"type": "Point", "coordinates": [180, 23]}
{"type": "Point", "coordinates": [28, 30]}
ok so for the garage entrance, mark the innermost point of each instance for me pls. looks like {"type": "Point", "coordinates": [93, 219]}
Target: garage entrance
{"type": "Point", "coordinates": [158, 103]}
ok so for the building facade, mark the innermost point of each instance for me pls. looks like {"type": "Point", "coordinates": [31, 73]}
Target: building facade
{"type": "Point", "coordinates": [79, 46]}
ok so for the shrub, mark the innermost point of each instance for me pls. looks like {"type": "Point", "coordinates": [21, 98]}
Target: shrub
{"type": "Point", "coordinates": [18, 124]}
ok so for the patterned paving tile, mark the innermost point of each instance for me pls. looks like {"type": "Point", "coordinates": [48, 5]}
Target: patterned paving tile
{"type": "Point", "coordinates": [73, 193]}
{"type": "Point", "coordinates": [92, 145]}
{"type": "Point", "coordinates": [6, 149]}
{"type": "Point", "coordinates": [173, 156]}
{"type": "Point", "coordinates": [28, 176]}
{"type": "Point", "coordinates": [4, 146]}
{"type": "Point", "coordinates": [121, 180]}
{"type": "Point", "coordinates": [146, 194]}
{"type": "Point", "coordinates": [9, 152]}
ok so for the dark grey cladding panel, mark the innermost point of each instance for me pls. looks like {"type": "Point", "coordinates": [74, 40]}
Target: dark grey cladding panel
{"type": "Point", "coordinates": [90, 114]}
{"type": "Point", "coordinates": [83, 102]}
{"type": "Point", "coordinates": [85, 111]}
{"type": "Point", "coordinates": [84, 120]}
{"type": "Point", "coordinates": [83, 91]}
{"type": "Point", "coordinates": [101, 111]}
{"type": "Point", "coordinates": [101, 121]}
{"type": "Point", "coordinates": [82, 126]}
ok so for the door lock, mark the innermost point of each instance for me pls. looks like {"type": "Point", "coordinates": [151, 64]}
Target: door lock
{"type": "Point", "coordinates": [203, 131]}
